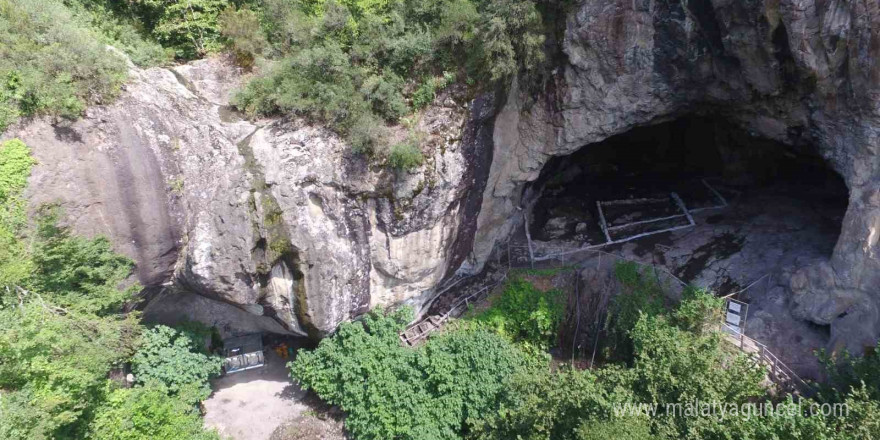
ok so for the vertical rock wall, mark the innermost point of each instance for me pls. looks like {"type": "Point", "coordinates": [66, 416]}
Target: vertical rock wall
{"type": "Point", "coordinates": [799, 72]}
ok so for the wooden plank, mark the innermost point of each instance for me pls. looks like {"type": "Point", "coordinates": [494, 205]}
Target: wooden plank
{"type": "Point", "coordinates": [642, 222]}
{"type": "Point", "coordinates": [717, 194]}
{"type": "Point", "coordinates": [682, 207]}
{"type": "Point", "coordinates": [633, 201]}
{"type": "Point", "coordinates": [602, 222]}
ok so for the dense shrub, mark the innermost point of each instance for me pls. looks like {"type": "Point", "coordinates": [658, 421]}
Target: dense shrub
{"type": "Point", "coordinates": [190, 27]}
{"type": "Point", "coordinates": [147, 413]}
{"type": "Point", "coordinates": [177, 361]}
{"type": "Point", "coordinates": [846, 372]}
{"type": "Point", "coordinates": [50, 63]}
{"type": "Point", "coordinates": [113, 23]}
{"type": "Point", "coordinates": [242, 28]}
{"type": "Point", "coordinates": [405, 156]}
{"type": "Point", "coordinates": [15, 167]}
{"type": "Point", "coordinates": [674, 362]}
{"type": "Point", "coordinates": [427, 91]}
{"type": "Point", "coordinates": [346, 62]}
{"type": "Point", "coordinates": [640, 294]}
{"type": "Point", "coordinates": [388, 391]}
{"type": "Point", "coordinates": [78, 273]}
{"type": "Point", "coordinates": [525, 313]}
{"type": "Point", "coordinates": [556, 405]}
{"type": "Point", "coordinates": [54, 366]}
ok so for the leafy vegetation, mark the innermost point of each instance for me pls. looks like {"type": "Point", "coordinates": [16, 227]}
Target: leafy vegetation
{"type": "Point", "coordinates": [388, 391]}
{"type": "Point", "coordinates": [462, 383]}
{"type": "Point", "coordinates": [50, 63]}
{"type": "Point", "coordinates": [15, 166]}
{"type": "Point", "coordinates": [54, 366]}
{"type": "Point", "coordinates": [62, 333]}
{"type": "Point", "coordinates": [146, 413]}
{"type": "Point", "coordinates": [405, 156]}
{"type": "Point", "coordinates": [177, 361]}
{"type": "Point", "coordinates": [113, 23]}
{"type": "Point", "coordinates": [189, 27]}
{"type": "Point", "coordinates": [242, 28]}
{"type": "Point", "coordinates": [847, 372]}
{"type": "Point", "coordinates": [78, 273]}
{"type": "Point", "coordinates": [641, 295]}
{"type": "Point", "coordinates": [525, 314]}
{"type": "Point", "coordinates": [357, 64]}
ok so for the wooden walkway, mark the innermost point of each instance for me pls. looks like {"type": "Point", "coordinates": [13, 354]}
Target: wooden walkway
{"type": "Point", "coordinates": [421, 329]}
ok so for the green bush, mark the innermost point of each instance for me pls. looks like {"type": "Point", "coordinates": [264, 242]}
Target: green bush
{"type": "Point", "coordinates": [699, 310]}
{"type": "Point", "coordinates": [242, 28]}
{"type": "Point", "coordinates": [78, 273]}
{"type": "Point", "coordinates": [845, 372]}
{"type": "Point", "coordinates": [50, 63]}
{"type": "Point", "coordinates": [405, 156]}
{"type": "Point", "coordinates": [556, 405]}
{"type": "Point", "coordinates": [389, 391]}
{"type": "Point", "coordinates": [54, 366]}
{"type": "Point", "coordinates": [427, 91]}
{"type": "Point", "coordinates": [345, 59]}
{"type": "Point", "coordinates": [640, 294]}
{"type": "Point", "coordinates": [146, 413]}
{"type": "Point", "coordinates": [525, 313]}
{"type": "Point", "coordinates": [177, 361]}
{"type": "Point", "coordinates": [15, 167]}
{"type": "Point", "coordinates": [113, 23]}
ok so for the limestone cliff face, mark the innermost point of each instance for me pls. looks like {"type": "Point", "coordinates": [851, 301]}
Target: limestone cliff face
{"type": "Point", "coordinates": [278, 217]}
{"type": "Point", "coordinates": [275, 216]}
{"type": "Point", "coordinates": [799, 72]}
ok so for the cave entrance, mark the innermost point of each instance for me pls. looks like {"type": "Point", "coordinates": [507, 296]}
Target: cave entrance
{"type": "Point", "coordinates": [683, 174]}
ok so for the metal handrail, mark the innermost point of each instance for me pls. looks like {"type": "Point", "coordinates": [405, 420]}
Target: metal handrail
{"type": "Point", "coordinates": [768, 357]}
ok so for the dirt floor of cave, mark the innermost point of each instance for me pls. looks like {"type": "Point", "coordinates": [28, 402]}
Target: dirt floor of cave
{"type": "Point", "coordinates": [763, 233]}
{"type": "Point", "coordinates": [265, 404]}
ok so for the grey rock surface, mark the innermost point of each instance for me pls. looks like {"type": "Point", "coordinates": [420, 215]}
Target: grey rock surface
{"type": "Point", "coordinates": [799, 72]}
{"type": "Point", "coordinates": [275, 216]}
{"type": "Point", "coordinates": [278, 216]}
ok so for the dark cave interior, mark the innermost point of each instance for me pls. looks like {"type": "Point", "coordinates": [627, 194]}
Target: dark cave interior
{"type": "Point", "coordinates": [698, 158]}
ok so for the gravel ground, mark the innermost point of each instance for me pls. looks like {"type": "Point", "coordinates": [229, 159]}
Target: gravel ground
{"type": "Point", "coordinates": [252, 404]}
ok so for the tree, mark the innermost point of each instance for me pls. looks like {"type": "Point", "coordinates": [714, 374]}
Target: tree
{"type": "Point", "coordinates": [177, 362]}
{"type": "Point", "coordinates": [242, 28]}
{"type": "Point", "coordinates": [54, 365]}
{"type": "Point", "coordinates": [147, 413]}
{"type": "Point", "coordinates": [190, 27]}
{"type": "Point", "coordinates": [389, 391]}
{"type": "Point", "coordinates": [78, 273]}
